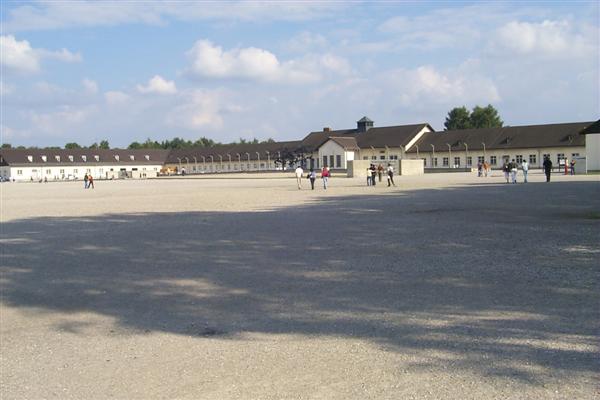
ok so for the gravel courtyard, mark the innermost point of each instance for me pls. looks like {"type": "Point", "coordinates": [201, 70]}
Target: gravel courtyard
{"type": "Point", "coordinates": [447, 286]}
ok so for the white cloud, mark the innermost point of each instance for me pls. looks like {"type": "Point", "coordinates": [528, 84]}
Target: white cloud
{"type": "Point", "coordinates": [158, 85]}
{"type": "Point", "coordinates": [306, 41]}
{"type": "Point", "coordinates": [18, 55]}
{"type": "Point", "coordinates": [201, 109]}
{"type": "Point", "coordinates": [115, 98]}
{"type": "Point", "coordinates": [62, 121]}
{"type": "Point", "coordinates": [554, 38]}
{"type": "Point", "coordinates": [211, 61]}
{"type": "Point", "coordinates": [90, 86]}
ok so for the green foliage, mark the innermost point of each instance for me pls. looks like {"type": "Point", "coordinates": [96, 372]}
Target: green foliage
{"type": "Point", "coordinates": [480, 117]}
{"type": "Point", "coordinates": [6, 146]}
{"type": "Point", "coordinates": [458, 118]}
{"type": "Point", "coordinates": [104, 144]}
{"type": "Point", "coordinates": [485, 117]}
{"type": "Point", "coordinates": [72, 145]}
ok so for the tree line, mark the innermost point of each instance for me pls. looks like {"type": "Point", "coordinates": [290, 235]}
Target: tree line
{"type": "Point", "coordinates": [457, 118]}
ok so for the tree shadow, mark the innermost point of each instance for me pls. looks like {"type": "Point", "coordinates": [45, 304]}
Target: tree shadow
{"type": "Point", "coordinates": [494, 280]}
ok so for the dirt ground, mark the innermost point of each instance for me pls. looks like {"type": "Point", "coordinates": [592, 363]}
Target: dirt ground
{"type": "Point", "coordinates": [447, 286]}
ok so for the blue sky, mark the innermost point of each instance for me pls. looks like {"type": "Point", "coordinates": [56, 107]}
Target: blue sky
{"type": "Point", "coordinates": [124, 71]}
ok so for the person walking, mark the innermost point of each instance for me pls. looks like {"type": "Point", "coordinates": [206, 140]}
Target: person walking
{"type": "Point", "coordinates": [325, 176]}
{"type": "Point", "coordinates": [486, 168]}
{"type": "Point", "coordinates": [380, 171]}
{"type": "Point", "coordinates": [85, 181]}
{"type": "Point", "coordinates": [312, 176]}
{"type": "Point", "coordinates": [547, 168]}
{"type": "Point", "coordinates": [369, 176]}
{"type": "Point", "coordinates": [479, 169]}
{"type": "Point", "coordinates": [513, 171]}
{"type": "Point", "coordinates": [525, 168]}
{"type": "Point", "coordinates": [299, 173]}
{"type": "Point", "coordinates": [572, 166]}
{"type": "Point", "coordinates": [506, 170]}
{"type": "Point", "coordinates": [390, 174]}
{"type": "Point", "coordinates": [90, 181]}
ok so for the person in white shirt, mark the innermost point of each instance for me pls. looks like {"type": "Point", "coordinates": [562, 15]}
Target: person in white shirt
{"type": "Point", "coordinates": [525, 168]}
{"type": "Point", "coordinates": [390, 173]}
{"type": "Point", "coordinates": [299, 173]}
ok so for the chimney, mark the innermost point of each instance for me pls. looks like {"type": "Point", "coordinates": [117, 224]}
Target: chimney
{"type": "Point", "coordinates": [327, 129]}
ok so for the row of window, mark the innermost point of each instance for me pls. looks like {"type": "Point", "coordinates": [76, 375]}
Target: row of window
{"type": "Point", "coordinates": [84, 158]}
{"type": "Point", "coordinates": [74, 171]}
{"type": "Point", "coordinates": [494, 161]}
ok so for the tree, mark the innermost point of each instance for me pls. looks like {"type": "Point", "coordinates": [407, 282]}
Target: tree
{"type": "Point", "coordinates": [72, 145]}
{"type": "Point", "coordinates": [458, 118]}
{"type": "Point", "coordinates": [6, 146]}
{"type": "Point", "coordinates": [93, 146]}
{"type": "Point", "coordinates": [134, 146]}
{"type": "Point", "coordinates": [480, 117]}
{"type": "Point", "coordinates": [292, 157]}
{"type": "Point", "coordinates": [485, 117]}
{"type": "Point", "coordinates": [104, 145]}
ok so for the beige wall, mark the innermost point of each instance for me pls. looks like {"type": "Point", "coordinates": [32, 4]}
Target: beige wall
{"type": "Point", "coordinates": [411, 167]}
{"type": "Point", "coordinates": [36, 172]}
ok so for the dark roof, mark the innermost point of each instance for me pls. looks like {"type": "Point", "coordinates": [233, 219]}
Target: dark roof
{"type": "Point", "coordinates": [61, 156]}
{"type": "Point", "coordinates": [593, 128]}
{"type": "Point", "coordinates": [232, 149]}
{"type": "Point", "coordinates": [512, 137]}
{"type": "Point", "coordinates": [364, 119]}
{"type": "Point", "coordinates": [347, 143]}
{"type": "Point", "coordinates": [391, 136]}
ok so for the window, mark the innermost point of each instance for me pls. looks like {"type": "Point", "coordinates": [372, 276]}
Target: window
{"type": "Point", "coordinates": [88, 170]}
{"type": "Point", "coordinates": [117, 157]}
{"type": "Point", "coordinates": [48, 172]}
{"type": "Point", "coordinates": [469, 161]}
{"type": "Point", "coordinates": [71, 158]}
{"type": "Point", "coordinates": [147, 157]}
{"type": "Point", "coordinates": [57, 158]}
{"type": "Point", "coordinates": [445, 161]}
{"type": "Point", "coordinates": [75, 171]}
{"type": "Point", "coordinates": [97, 158]}
{"type": "Point", "coordinates": [457, 161]}
{"type": "Point", "coordinates": [373, 157]}
{"type": "Point", "coordinates": [365, 158]}
{"type": "Point", "coordinates": [331, 161]}
{"type": "Point", "coordinates": [560, 156]}
{"type": "Point", "coordinates": [44, 159]}
{"type": "Point", "coordinates": [480, 159]}
{"type": "Point", "coordinates": [435, 164]}
{"type": "Point", "coordinates": [493, 160]}
{"type": "Point", "coordinates": [532, 159]}
{"type": "Point", "coordinates": [324, 161]}
{"type": "Point", "coordinates": [132, 157]}
{"type": "Point", "coordinates": [84, 158]}
{"type": "Point", "coordinates": [382, 157]}
{"type": "Point", "coordinates": [338, 161]}
{"type": "Point", "coordinates": [394, 157]}
{"type": "Point", "coordinates": [519, 158]}
{"type": "Point", "coordinates": [62, 171]}
{"type": "Point", "coordinates": [424, 162]}
{"type": "Point", "coordinates": [506, 158]}
{"type": "Point", "coordinates": [575, 155]}
{"type": "Point", "coordinates": [101, 170]}
{"type": "Point", "coordinates": [19, 172]}
{"type": "Point", "coordinates": [30, 158]}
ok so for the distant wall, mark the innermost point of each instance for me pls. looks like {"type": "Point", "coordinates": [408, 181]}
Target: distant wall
{"type": "Point", "coordinates": [411, 167]}
{"type": "Point", "coordinates": [358, 168]}
{"type": "Point", "coordinates": [592, 150]}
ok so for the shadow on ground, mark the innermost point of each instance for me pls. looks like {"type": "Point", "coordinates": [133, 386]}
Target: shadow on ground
{"type": "Point", "coordinates": [484, 278]}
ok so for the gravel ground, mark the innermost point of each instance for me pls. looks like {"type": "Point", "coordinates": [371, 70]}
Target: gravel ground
{"type": "Point", "coordinates": [448, 286]}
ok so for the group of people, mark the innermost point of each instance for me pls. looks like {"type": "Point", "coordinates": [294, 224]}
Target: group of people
{"type": "Point", "coordinates": [312, 177]}
{"type": "Point", "coordinates": [511, 168]}
{"type": "Point", "coordinates": [374, 172]}
{"type": "Point", "coordinates": [484, 169]}
{"type": "Point", "coordinates": [88, 181]}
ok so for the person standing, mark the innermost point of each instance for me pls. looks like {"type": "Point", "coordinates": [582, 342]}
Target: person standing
{"type": "Point", "coordinates": [90, 182]}
{"type": "Point", "coordinates": [369, 176]}
{"type": "Point", "coordinates": [513, 171]}
{"type": "Point", "coordinates": [390, 174]}
{"type": "Point", "coordinates": [572, 166]}
{"type": "Point", "coordinates": [299, 172]}
{"type": "Point", "coordinates": [312, 176]}
{"type": "Point", "coordinates": [379, 172]}
{"type": "Point", "coordinates": [325, 176]}
{"type": "Point", "coordinates": [525, 168]}
{"type": "Point", "coordinates": [85, 181]}
{"type": "Point", "coordinates": [547, 168]}
{"type": "Point", "coordinates": [373, 174]}
{"type": "Point", "coordinates": [479, 169]}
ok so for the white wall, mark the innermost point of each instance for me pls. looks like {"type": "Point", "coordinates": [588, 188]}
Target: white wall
{"type": "Point", "coordinates": [37, 172]}
{"type": "Point", "coordinates": [592, 151]}
{"type": "Point", "coordinates": [331, 148]}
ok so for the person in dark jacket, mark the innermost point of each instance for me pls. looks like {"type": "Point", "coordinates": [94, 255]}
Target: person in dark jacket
{"type": "Point", "coordinates": [547, 168]}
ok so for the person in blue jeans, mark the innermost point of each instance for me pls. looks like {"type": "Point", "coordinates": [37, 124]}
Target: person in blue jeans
{"type": "Point", "coordinates": [325, 176]}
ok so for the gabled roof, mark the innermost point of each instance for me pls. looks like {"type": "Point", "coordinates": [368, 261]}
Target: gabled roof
{"type": "Point", "coordinates": [593, 128]}
{"type": "Point", "coordinates": [364, 119]}
{"type": "Point", "coordinates": [513, 137]}
{"type": "Point", "coordinates": [314, 140]}
{"type": "Point", "coordinates": [347, 143]}
{"type": "Point", "coordinates": [264, 150]}
{"type": "Point", "coordinates": [58, 157]}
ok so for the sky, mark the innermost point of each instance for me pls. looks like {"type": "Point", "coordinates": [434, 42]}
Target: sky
{"type": "Point", "coordinates": [124, 71]}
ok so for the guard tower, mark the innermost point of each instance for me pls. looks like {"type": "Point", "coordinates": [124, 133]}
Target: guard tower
{"type": "Point", "coordinates": [363, 124]}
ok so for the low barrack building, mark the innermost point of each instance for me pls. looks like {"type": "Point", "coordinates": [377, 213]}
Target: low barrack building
{"type": "Point", "coordinates": [59, 164]}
